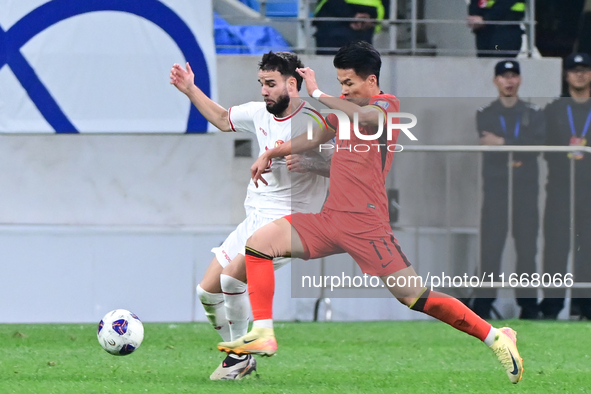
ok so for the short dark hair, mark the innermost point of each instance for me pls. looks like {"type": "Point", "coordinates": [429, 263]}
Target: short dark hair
{"type": "Point", "coordinates": [284, 62]}
{"type": "Point", "coordinates": [360, 56]}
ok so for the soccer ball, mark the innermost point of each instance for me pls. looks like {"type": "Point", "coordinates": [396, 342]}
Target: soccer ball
{"type": "Point", "coordinates": [120, 332]}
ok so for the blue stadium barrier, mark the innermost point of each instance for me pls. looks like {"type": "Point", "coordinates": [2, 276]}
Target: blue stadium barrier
{"type": "Point", "coordinates": [282, 8]}
{"type": "Point", "coordinates": [246, 39]}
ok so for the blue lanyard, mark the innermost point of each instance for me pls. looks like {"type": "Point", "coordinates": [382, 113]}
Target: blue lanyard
{"type": "Point", "coordinates": [572, 123]}
{"type": "Point", "coordinates": [504, 125]}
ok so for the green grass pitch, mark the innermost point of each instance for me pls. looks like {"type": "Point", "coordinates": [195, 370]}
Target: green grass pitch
{"type": "Point", "coordinates": [374, 357]}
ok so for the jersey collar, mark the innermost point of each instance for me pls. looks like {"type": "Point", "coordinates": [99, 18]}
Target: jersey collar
{"type": "Point", "coordinates": [292, 114]}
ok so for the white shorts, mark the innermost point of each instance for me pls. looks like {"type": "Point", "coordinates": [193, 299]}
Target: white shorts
{"type": "Point", "coordinates": [236, 241]}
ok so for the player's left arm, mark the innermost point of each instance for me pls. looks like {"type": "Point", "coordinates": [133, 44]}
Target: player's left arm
{"type": "Point", "coordinates": [299, 144]}
{"type": "Point", "coordinates": [368, 115]}
{"type": "Point", "coordinates": [309, 162]}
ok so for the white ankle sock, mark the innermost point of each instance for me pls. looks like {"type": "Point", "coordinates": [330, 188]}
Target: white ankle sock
{"type": "Point", "coordinates": [237, 305]}
{"type": "Point", "coordinates": [265, 323]}
{"type": "Point", "coordinates": [213, 303]}
{"type": "Point", "coordinates": [490, 338]}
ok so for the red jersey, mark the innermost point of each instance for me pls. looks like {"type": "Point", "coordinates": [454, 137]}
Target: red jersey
{"type": "Point", "coordinates": [359, 167]}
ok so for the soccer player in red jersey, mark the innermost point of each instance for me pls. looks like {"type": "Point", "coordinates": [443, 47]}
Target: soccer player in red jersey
{"type": "Point", "coordinates": [354, 218]}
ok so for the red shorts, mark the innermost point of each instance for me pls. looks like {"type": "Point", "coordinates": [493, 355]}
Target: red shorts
{"type": "Point", "coordinates": [369, 240]}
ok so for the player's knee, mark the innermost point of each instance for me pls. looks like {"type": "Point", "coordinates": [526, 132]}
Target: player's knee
{"type": "Point", "coordinates": [235, 271]}
{"type": "Point", "coordinates": [231, 284]}
{"type": "Point", "coordinates": [201, 292]}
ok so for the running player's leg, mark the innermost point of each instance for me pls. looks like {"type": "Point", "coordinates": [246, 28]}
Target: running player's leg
{"type": "Point", "coordinates": [276, 239]}
{"type": "Point", "coordinates": [232, 280]}
{"type": "Point", "coordinates": [210, 294]}
{"type": "Point", "coordinates": [233, 283]}
{"type": "Point", "coordinates": [378, 253]}
{"type": "Point", "coordinates": [413, 294]}
{"type": "Point", "coordinates": [453, 312]}
{"type": "Point", "coordinates": [230, 253]}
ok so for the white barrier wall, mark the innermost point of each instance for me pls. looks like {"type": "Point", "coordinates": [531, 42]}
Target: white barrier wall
{"type": "Point", "coordinates": [102, 65]}
{"type": "Point", "coordinates": [95, 222]}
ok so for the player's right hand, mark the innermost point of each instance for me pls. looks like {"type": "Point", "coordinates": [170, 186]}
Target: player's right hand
{"type": "Point", "coordinates": [183, 80]}
{"type": "Point", "coordinates": [309, 77]}
{"type": "Point", "coordinates": [259, 168]}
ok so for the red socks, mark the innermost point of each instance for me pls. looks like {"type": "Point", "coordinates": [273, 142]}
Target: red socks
{"type": "Point", "coordinates": [453, 312]}
{"type": "Point", "coordinates": [261, 283]}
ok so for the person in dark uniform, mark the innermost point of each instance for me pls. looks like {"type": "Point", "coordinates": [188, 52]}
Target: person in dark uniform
{"type": "Point", "coordinates": [496, 40]}
{"type": "Point", "coordinates": [338, 34]}
{"type": "Point", "coordinates": [569, 121]}
{"type": "Point", "coordinates": [509, 121]}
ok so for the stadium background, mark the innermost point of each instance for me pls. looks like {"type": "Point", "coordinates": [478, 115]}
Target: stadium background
{"type": "Point", "coordinates": [126, 210]}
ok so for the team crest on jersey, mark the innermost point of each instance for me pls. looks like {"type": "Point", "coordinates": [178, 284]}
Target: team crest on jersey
{"type": "Point", "coordinates": [383, 104]}
{"type": "Point", "coordinates": [263, 131]}
{"type": "Point", "coordinates": [279, 142]}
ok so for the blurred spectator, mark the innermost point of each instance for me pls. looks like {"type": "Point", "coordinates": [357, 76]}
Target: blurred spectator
{"type": "Point", "coordinates": [569, 120]}
{"type": "Point", "coordinates": [496, 40]}
{"type": "Point", "coordinates": [337, 34]}
{"type": "Point", "coordinates": [509, 121]}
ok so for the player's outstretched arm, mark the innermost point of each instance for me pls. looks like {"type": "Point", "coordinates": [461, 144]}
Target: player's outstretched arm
{"type": "Point", "coordinates": [184, 81]}
{"type": "Point", "coordinates": [368, 115]}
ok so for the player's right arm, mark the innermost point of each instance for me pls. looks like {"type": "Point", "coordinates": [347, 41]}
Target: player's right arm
{"type": "Point", "coordinates": [184, 81]}
{"type": "Point", "coordinates": [299, 144]}
{"type": "Point", "coordinates": [309, 162]}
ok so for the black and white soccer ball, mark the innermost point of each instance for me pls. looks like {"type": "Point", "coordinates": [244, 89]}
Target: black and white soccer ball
{"type": "Point", "coordinates": [120, 332]}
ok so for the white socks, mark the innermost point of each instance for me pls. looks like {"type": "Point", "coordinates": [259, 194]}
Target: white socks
{"type": "Point", "coordinates": [490, 338]}
{"type": "Point", "coordinates": [237, 305]}
{"type": "Point", "coordinates": [265, 323]}
{"type": "Point", "coordinates": [214, 311]}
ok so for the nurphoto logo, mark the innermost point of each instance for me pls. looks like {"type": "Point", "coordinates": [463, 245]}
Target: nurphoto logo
{"type": "Point", "coordinates": [344, 130]}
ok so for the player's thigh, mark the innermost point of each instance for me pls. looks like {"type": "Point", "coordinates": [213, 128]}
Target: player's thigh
{"type": "Point", "coordinates": [211, 279]}
{"type": "Point", "coordinates": [374, 248]}
{"type": "Point", "coordinates": [405, 285]}
{"type": "Point", "coordinates": [277, 239]}
{"type": "Point", "coordinates": [237, 268]}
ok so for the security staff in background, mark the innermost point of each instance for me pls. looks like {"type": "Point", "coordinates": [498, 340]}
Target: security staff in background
{"type": "Point", "coordinates": [337, 34]}
{"type": "Point", "coordinates": [509, 121]}
{"type": "Point", "coordinates": [496, 40]}
{"type": "Point", "coordinates": [569, 120]}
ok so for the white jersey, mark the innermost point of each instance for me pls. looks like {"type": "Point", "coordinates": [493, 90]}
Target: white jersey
{"type": "Point", "coordinates": [286, 192]}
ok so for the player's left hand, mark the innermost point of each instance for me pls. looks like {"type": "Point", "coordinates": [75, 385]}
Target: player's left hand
{"type": "Point", "coordinates": [183, 80]}
{"type": "Point", "coordinates": [260, 167]}
{"type": "Point", "coordinates": [297, 163]}
{"type": "Point", "coordinates": [310, 79]}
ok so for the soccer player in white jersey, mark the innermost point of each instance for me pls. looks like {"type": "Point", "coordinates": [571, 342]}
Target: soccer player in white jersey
{"type": "Point", "coordinates": [222, 290]}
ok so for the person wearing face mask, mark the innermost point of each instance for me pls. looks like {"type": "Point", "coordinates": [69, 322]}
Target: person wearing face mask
{"type": "Point", "coordinates": [569, 120]}
{"type": "Point", "coordinates": [509, 121]}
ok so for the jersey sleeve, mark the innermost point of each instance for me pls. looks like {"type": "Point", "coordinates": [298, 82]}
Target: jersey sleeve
{"type": "Point", "coordinates": [241, 117]}
{"type": "Point", "coordinates": [385, 103]}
